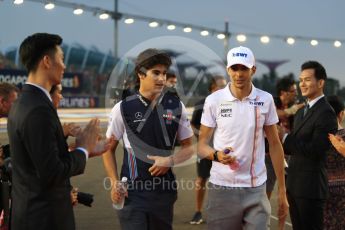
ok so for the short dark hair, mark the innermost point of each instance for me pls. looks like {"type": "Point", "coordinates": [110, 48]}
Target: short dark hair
{"type": "Point", "coordinates": [6, 89]}
{"type": "Point", "coordinates": [171, 75]}
{"type": "Point", "coordinates": [35, 46]}
{"type": "Point", "coordinates": [336, 103]}
{"type": "Point", "coordinates": [320, 72]}
{"type": "Point", "coordinates": [213, 81]}
{"type": "Point", "coordinates": [284, 84]}
{"type": "Point", "coordinates": [149, 58]}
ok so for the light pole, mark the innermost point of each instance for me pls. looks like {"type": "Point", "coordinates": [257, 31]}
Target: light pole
{"type": "Point", "coordinates": [226, 39]}
{"type": "Point", "coordinates": [116, 28]}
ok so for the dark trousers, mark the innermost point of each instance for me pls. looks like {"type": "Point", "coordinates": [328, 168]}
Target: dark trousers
{"type": "Point", "coordinates": [148, 211]}
{"type": "Point", "coordinates": [306, 214]}
{"type": "Point", "coordinates": [5, 190]}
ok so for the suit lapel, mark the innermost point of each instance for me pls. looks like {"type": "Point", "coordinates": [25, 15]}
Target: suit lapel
{"type": "Point", "coordinates": [298, 119]}
{"type": "Point", "coordinates": [301, 121]}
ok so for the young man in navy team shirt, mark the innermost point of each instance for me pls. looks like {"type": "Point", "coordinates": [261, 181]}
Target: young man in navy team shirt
{"type": "Point", "coordinates": [149, 123]}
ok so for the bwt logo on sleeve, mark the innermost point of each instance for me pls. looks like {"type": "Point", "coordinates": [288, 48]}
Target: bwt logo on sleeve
{"type": "Point", "coordinates": [256, 103]}
{"type": "Point", "coordinates": [239, 55]}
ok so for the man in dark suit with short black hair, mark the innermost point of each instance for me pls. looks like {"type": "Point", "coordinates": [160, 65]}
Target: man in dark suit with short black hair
{"type": "Point", "coordinates": [42, 164]}
{"type": "Point", "coordinates": [307, 187]}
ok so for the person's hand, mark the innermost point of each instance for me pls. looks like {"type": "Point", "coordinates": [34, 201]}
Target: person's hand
{"type": "Point", "coordinates": [70, 129]}
{"type": "Point", "coordinates": [74, 196]}
{"type": "Point", "coordinates": [338, 143]}
{"type": "Point", "coordinates": [293, 109]}
{"type": "Point", "coordinates": [102, 146]}
{"type": "Point", "coordinates": [116, 192]}
{"type": "Point", "coordinates": [228, 158]}
{"type": "Point", "coordinates": [283, 209]}
{"type": "Point", "coordinates": [72, 147]}
{"type": "Point", "coordinates": [161, 165]}
{"type": "Point", "coordinates": [88, 137]}
{"type": "Point", "coordinates": [299, 106]}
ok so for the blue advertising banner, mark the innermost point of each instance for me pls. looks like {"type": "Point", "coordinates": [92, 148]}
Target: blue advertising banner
{"type": "Point", "coordinates": [79, 102]}
{"type": "Point", "coordinates": [13, 76]}
{"type": "Point", "coordinates": [71, 82]}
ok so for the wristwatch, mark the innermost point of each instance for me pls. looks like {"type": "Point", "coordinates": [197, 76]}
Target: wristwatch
{"type": "Point", "coordinates": [215, 156]}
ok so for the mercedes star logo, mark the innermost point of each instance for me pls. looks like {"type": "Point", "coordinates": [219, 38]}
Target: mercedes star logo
{"type": "Point", "coordinates": [138, 115]}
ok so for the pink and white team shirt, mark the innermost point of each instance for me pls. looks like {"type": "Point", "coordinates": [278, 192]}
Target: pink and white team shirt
{"type": "Point", "coordinates": [239, 124]}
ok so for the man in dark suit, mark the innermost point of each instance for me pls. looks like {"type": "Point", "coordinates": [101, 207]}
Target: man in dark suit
{"type": "Point", "coordinates": [42, 164]}
{"type": "Point", "coordinates": [307, 144]}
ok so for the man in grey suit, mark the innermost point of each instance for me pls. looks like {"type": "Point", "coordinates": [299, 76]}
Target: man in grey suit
{"type": "Point", "coordinates": [42, 164]}
{"type": "Point", "coordinates": [307, 186]}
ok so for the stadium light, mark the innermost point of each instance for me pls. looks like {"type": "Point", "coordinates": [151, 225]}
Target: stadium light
{"type": "Point", "coordinates": [204, 33]}
{"type": "Point", "coordinates": [171, 27]}
{"type": "Point", "coordinates": [78, 11]}
{"type": "Point", "coordinates": [265, 39]}
{"type": "Point", "coordinates": [153, 24]}
{"type": "Point", "coordinates": [103, 16]}
{"type": "Point", "coordinates": [337, 44]}
{"type": "Point", "coordinates": [129, 20]}
{"type": "Point", "coordinates": [187, 29]}
{"type": "Point", "coordinates": [224, 34]}
{"type": "Point", "coordinates": [18, 2]}
{"type": "Point", "coordinates": [314, 42]}
{"type": "Point", "coordinates": [49, 6]}
{"type": "Point", "coordinates": [290, 40]}
{"type": "Point", "coordinates": [241, 38]}
{"type": "Point", "coordinates": [221, 36]}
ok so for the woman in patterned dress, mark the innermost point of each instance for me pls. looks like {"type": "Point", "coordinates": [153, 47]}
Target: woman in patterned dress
{"type": "Point", "coordinates": [335, 205]}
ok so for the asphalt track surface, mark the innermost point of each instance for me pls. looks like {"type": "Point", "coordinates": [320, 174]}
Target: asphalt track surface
{"type": "Point", "coordinates": [101, 215]}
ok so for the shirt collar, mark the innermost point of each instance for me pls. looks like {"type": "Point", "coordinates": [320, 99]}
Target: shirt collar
{"type": "Point", "coordinates": [251, 96]}
{"type": "Point", "coordinates": [41, 88]}
{"type": "Point", "coordinates": [313, 102]}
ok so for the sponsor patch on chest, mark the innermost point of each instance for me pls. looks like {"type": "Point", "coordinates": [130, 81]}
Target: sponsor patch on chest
{"type": "Point", "coordinates": [226, 109]}
{"type": "Point", "coordinates": [226, 112]}
{"type": "Point", "coordinates": [169, 116]}
{"type": "Point", "coordinates": [138, 117]}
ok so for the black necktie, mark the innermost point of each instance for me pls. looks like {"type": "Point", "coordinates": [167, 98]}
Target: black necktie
{"type": "Point", "coordinates": [306, 108]}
